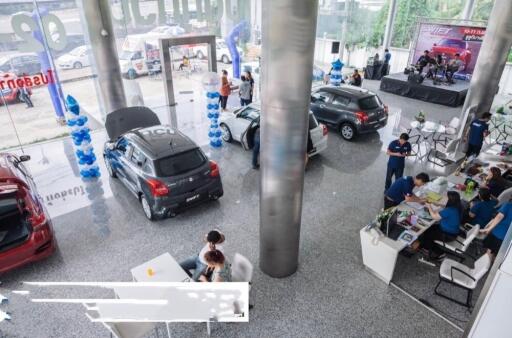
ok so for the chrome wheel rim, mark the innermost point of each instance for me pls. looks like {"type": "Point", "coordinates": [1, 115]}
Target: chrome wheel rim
{"type": "Point", "coordinates": [226, 134]}
{"type": "Point", "coordinates": [146, 208]}
{"type": "Point", "coordinates": [347, 132]}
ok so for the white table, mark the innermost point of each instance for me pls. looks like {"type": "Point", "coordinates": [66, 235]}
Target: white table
{"type": "Point", "coordinates": [165, 269]}
{"type": "Point", "coordinates": [380, 252]}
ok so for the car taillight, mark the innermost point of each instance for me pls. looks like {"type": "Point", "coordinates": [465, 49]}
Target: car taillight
{"type": "Point", "coordinates": [386, 109]}
{"type": "Point", "coordinates": [362, 116]}
{"type": "Point", "coordinates": [214, 169]}
{"type": "Point", "coordinates": [324, 129]}
{"type": "Point", "coordinates": [157, 188]}
{"type": "Point", "coordinates": [36, 220]}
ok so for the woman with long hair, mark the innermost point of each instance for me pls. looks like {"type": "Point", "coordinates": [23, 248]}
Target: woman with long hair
{"type": "Point", "coordinates": [447, 227]}
{"type": "Point", "coordinates": [495, 182]}
{"type": "Point", "coordinates": [219, 268]}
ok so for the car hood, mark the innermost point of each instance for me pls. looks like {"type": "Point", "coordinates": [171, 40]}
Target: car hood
{"type": "Point", "coordinates": [122, 120]}
{"type": "Point", "coordinates": [65, 58]}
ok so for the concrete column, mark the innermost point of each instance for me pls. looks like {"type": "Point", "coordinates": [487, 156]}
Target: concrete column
{"type": "Point", "coordinates": [343, 39]}
{"type": "Point", "coordinates": [98, 19]}
{"type": "Point", "coordinates": [491, 60]}
{"type": "Point", "coordinates": [467, 13]}
{"type": "Point", "coordinates": [388, 32]}
{"type": "Point", "coordinates": [288, 46]}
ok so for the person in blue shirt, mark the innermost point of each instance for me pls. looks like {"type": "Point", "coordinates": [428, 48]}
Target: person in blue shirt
{"type": "Point", "coordinates": [401, 190]}
{"type": "Point", "coordinates": [387, 56]}
{"type": "Point", "coordinates": [482, 209]}
{"type": "Point", "coordinates": [447, 228]}
{"type": "Point", "coordinates": [478, 130]}
{"type": "Point", "coordinates": [497, 229]}
{"type": "Point", "coordinates": [397, 151]}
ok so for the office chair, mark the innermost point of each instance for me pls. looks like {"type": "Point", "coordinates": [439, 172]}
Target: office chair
{"type": "Point", "coordinates": [504, 197]}
{"type": "Point", "coordinates": [446, 157]}
{"type": "Point", "coordinates": [461, 276]}
{"type": "Point", "coordinates": [459, 246]}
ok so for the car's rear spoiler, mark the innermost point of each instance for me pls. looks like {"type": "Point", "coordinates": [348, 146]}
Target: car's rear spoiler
{"type": "Point", "coordinates": [122, 120]}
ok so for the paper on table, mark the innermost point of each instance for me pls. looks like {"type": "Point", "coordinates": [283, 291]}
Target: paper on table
{"type": "Point", "coordinates": [415, 205]}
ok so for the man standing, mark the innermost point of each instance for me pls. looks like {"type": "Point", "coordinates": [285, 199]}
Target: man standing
{"type": "Point", "coordinates": [397, 151]}
{"type": "Point", "coordinates": [387, 56]}
{"type": "Point", "coordinates": [256, 149]}
{"type": "Point", "coordinates": [476, 133]}
{"type": "Point", "coordinates": [244, 91]}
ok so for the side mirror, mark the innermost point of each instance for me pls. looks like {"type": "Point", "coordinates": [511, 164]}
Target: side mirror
{"type": "Point", "coordinates": [24, 158]}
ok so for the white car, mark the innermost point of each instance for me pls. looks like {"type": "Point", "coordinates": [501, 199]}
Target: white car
{"type": "Point", "coordinates": [76, 59]}
{"type": "Point", "coordinates": [241, 124]}
{"type": "Point", "coordinates": [222, 51]}
{"type": "Point", "coordinates": [168, 30]}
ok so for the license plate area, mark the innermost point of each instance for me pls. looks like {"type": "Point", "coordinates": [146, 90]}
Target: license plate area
{"type": "Point", "coordinates": [193, 198]}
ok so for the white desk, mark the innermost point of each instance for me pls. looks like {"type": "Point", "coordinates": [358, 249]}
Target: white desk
{"type": "Point", "coordinates": [165, 269]}
{"type": "Point", "coordinates": [381, 252]}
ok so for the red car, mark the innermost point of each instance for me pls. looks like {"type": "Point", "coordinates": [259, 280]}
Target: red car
{"type": "Point", "coordinates": [450, 47]}
{"type": "Point", "coordinates": [26, 233]}
{"type": "Point", "coordinates": [10, 95]}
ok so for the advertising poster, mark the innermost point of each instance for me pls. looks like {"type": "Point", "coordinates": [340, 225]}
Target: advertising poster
{"type": "Point", "coordinates": [449, 40]}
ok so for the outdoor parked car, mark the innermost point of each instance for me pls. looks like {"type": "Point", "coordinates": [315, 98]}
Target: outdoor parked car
{"type": "Point", "coordinates": [76, 59]}
{"type": "Point", "coordinates": [19, 64]}
{"type": "Point", "coordinates": [168, 30]}
{"type": "Point", "coordinates": [450, 47]}
{"type": "Point", "coordinates": [10, 95]}
{"type": "Point", "coordinates": [222, 51]}
{"type": "Point", "coordinates": [163, 168]}
{"type": "Point", "coordinates": [241, 124]}
{"type": "Point", "coordinates": [26, 232]}
{"type": "Point", "coordinates": [350, 110]}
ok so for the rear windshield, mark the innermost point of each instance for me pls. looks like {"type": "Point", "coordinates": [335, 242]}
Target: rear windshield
{"type": "Point", "coordinates": [180, 163]}
{"type": "Point", "coordinates": [370, 102]}
{"type": "Point", "coordinates": [313, 123]}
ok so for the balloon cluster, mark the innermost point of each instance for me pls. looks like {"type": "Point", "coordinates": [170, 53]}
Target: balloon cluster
{"type": "Point", "coordinates": [81, 139]}
{"type": "Point", "coordinates": [335, 79]}
{"type": "Point", "coordinates": [210, 84]}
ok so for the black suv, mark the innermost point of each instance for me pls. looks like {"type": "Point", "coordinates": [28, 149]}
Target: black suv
{"type": "Point", "coordinates": [163, 168]}
{"type": "Point", "coordinates": [351, 110]}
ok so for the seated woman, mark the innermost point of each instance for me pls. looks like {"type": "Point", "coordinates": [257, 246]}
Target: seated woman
{"type": "Point", "coordinates": [482, 209]}
{"type": "Point", "coordinates": [448, 227]}
{"type": "Point", "coordinates": [497, 229]}
{"type": "Point", "coordinates": [219, 268]}
{"type": "Point", "coordinates": [495, 182]}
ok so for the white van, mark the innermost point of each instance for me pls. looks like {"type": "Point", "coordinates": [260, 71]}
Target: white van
{"type": "Point", "coordinates": [222, 51]}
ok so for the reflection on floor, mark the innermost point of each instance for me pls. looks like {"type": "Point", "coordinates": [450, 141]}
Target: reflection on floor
{"type": "Point", "coordinates": [102, 233]}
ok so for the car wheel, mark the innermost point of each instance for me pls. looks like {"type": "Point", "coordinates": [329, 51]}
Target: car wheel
{"type": "Point", "coordinates": [224, 59]}
{"type": "Point", "coordinates": [148, 211]}
{"type": "Point", "coordinates": [200, 55]}
{"type": "Point", "coordinates": [132, 74]}
{"type": "Point", "coordinates": [226, 133]}
{"type": "Point", "coordinates": [110, 170]}
{"type": "Point", "coordinates": [347, 131]}
{"type": "Point", "coordinates": [77, 65]}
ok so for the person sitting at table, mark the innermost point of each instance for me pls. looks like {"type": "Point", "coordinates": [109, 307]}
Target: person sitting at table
{"type": "Point", "coordinates": [402, 189]}
{"type": "Point", "coordinates": [355, 79]}
{"type": "Point", "coordinates": [218, 267]}
{"type": "Point", "coordinates": [497, 229]}
{"type": "Point", "coordinates": [478, 130]}
{"type": "Point", "coordinates": [198, 263]}
{"type": "Point", "coordinates": [446, 228]}
{"type": "Point", "coordinates": [397, 151]}
{"type": "Point", "coordinates": [495, 182]}
{"type": "Point", "coordinates": [482, 209]}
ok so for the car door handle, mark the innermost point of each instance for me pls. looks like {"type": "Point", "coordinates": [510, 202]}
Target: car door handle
{"type": "Point", "coordinates": [322, 106]}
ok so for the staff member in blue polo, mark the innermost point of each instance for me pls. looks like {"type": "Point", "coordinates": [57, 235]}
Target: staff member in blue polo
{"type": "Point", "coordinates": [497, 229]}
{"type": "Point", "coordinates": [401, 190]}
{"type": "Point", "coordinates": [397, 151]}
{"type": "Point", "coordinates": [478, 130]}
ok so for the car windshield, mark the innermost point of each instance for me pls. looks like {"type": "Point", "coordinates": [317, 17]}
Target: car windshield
{"type": "Point", "coordinates": [125, 55]}
{"type": "Point", "coordinates": [370, 102]}
{"type": "Point", "coordinates": [180, 163]}
{"type": "Point", "coordinates": [77, 51]}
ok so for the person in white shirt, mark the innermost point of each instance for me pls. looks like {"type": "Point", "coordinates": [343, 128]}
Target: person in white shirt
{"type": "Point", "coordinates": [198, 263]}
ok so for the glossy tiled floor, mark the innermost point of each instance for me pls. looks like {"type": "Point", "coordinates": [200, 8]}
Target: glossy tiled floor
{"type": "Point", "coordinates": [102, 234]}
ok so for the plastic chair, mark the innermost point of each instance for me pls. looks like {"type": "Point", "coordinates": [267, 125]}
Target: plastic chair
{"type": "Point", "coordinates": [461, 276]}
{"type": "Point", "coordinates": [448, 156]}
{"type": "Point", "coordinates": [460, 245]}
{"type": "Point", "coordinates": [504, 197]}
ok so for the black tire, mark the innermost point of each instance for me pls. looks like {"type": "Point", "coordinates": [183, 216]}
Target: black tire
{"type": "Point", "coordinates": [225, 59]}
{"type": "Point", "coordinates": [146, 208]}
{"type": "Point", "coordinates": [200, 55]}
{"type": "Point", "coordinates": [111, 172]}
{"type": "Point", "coordinates": [132, 74]}
{"type": "Point", "coordinates": [77, 65]}
{"type": "Point", "coordinates": [226, 133]}
{"type": "Point", "coordinates": [348, 131]}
